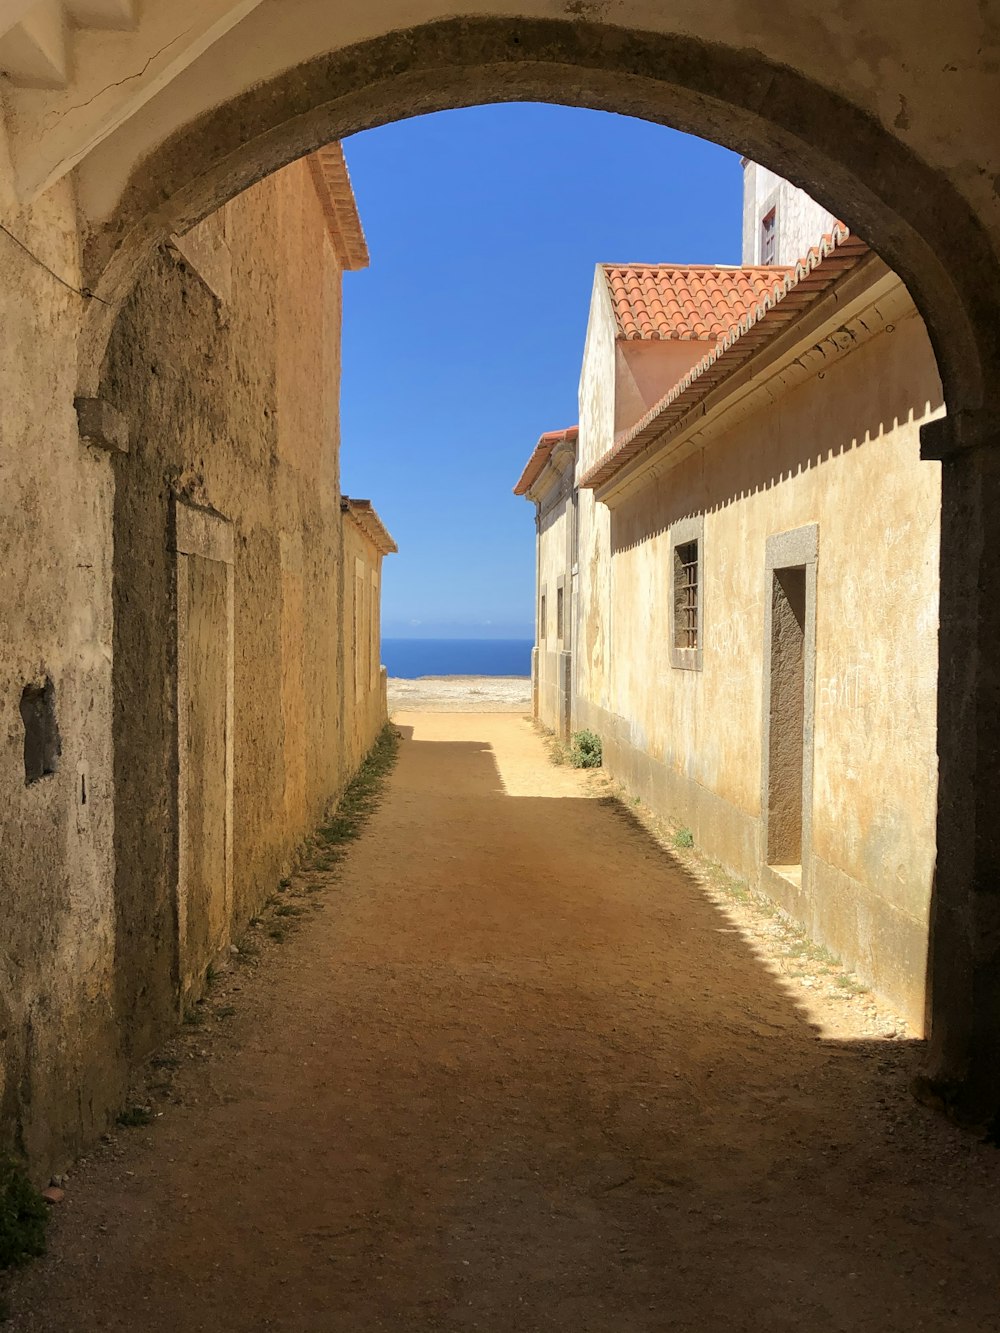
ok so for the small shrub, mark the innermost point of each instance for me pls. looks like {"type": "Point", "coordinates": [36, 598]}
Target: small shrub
{"type": "Point", "coordinates": [585, 751]}
{"type": "Point", "coordinates": [134, 1116]}
{"type": "Point", "coordinates": [683, 838]}
{"type": "Point", "coordinates": [23, 1216]}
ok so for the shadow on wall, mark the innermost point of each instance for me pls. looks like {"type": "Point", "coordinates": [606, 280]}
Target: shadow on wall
{"type": "Point", "coordinates": [772, 448]}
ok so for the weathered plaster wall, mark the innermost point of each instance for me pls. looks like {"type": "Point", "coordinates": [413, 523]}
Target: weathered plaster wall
{"type": "Point", "coordinates": [364, 701]}
{"type": "Point", "coordinates": [594, 610]}
{"type": "Point", "coordinates": [597, 423]}
{"type": "Point", "coordinates": [232, 407]}
{"type": "Point", "coordinates": [841, 452]}
{"type": "Point", "coordinates": [58, 1057]}
{"type": "Point", "coordinates": [800, 220]}
{"type": "Point", "coordinates": [597, 378]}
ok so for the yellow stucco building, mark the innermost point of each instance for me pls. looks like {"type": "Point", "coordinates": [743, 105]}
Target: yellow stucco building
{"type": "Point", "coordinates": [751, 579]}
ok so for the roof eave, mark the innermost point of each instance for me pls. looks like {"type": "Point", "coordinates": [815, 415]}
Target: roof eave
{"type": "Point", "coordinates": [540, 456]}
{"type": "Point", "coordinates": [365, 517]}
{"type": "Point", "coordinates": [340, 209]}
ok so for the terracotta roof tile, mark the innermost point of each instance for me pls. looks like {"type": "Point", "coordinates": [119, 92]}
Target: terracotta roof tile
{"type": "Point", "coordinates": [689, 301]}
{"type": "Point", "coordinates": [541, 454]}
{"type": "Point", "coordinates": [837, 253]}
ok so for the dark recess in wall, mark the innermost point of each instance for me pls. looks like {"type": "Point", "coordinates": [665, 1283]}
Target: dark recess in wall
{"type": "Point", "coordinates": [41, 734]}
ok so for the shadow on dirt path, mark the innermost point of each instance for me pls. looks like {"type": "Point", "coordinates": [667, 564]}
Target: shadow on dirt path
{"type": "Point", "coordinates": [520, 1074]}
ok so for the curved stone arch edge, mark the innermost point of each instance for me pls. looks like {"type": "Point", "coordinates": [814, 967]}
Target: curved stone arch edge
{"type": "Point", "coordinates": [848, 162]}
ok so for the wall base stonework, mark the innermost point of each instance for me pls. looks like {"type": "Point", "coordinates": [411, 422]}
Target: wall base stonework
{"type": "Point", "coordinates": [886, 948]}
{"type": "Point", "coordinates": [564, 695]}
{"type": "Point", "coordinates": [718, 827]}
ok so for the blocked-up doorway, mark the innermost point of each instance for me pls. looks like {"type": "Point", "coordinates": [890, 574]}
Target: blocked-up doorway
{"type": "Point", "coordinates": [205, 665]}
{"type": "Point", "coordinates": [789, 673]}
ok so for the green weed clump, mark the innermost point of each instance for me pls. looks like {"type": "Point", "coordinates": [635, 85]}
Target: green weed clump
{"type": "Point", "coordinates": [683, 838]}
{"type": "Point", "coordinates": [359, 799]}
{"type": "Point", "coordinates": [23, 1216]}
{"type": "Point", "coordinates": [585, 752]}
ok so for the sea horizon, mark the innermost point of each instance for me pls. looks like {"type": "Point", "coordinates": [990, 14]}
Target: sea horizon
{"type": "Point", "coordinates": [412, 658]}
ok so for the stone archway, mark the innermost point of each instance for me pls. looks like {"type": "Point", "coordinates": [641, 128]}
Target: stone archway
{"type": "Point", "coordinates": [910, 212]}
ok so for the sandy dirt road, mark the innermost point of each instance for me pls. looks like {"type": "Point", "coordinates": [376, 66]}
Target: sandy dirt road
{"type": "Point", "coordinates": [519, 1074]}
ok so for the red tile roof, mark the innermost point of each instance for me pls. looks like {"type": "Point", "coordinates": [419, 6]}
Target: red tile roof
{"type": "Point", "coordinates": [837, 253]}
{"type": "Point", "coordinates": [689, 301]}
{"type": "Point", "coordinates": [541, 454]}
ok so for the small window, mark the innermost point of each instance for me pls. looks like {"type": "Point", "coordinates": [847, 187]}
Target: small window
{"type": "Point", "coordinates": [685, 578]}
{"type": "Point", "coordinates": [769, 237]}
{"type": "Point", "coordinates": [559, 615]}
{"type": "Point", "coordinates": [541, 619]}
{"type": "Point", "coordinates": [686, 595]}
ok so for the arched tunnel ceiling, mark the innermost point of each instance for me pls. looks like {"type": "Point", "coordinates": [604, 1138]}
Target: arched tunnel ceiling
{"type": "Point", "coordinates": [885, 113]}
{"type": "Point", "coordinates": [103, 82]}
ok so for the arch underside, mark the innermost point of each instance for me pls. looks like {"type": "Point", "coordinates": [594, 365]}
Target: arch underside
{"type": "Point", "coordinates": [910, 214]}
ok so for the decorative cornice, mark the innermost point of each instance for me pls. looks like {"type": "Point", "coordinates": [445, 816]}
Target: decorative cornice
{"type": "Point", "coordinates": [333, 185]}
{"type": "Point", "coordinates": [362, 513]}
{"type": "Point", "coordinates": [541, 454]}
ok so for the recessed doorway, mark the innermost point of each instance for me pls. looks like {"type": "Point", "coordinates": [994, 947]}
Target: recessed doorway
{"type": "Point", "coordinates": [790, 650]}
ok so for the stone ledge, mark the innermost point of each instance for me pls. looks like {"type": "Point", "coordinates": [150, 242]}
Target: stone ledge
{"type": "Point", "coordinates": [946, 437]}
{"type": "Point", "coordinates": [101, 425]}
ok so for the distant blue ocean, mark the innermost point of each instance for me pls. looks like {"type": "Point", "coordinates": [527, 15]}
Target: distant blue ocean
{"type": "Point", "coordinates": [409, 658]}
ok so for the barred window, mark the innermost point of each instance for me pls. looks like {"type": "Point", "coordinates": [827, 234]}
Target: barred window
{"type": "Point", "coordinates": [686, 595]}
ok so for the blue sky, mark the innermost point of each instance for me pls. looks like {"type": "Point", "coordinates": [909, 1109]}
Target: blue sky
{"type": "Point", "coordinates": [462, 341]}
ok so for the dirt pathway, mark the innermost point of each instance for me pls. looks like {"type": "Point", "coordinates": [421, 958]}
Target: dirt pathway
{"type": "Point", "coordinates": [519, 1074]}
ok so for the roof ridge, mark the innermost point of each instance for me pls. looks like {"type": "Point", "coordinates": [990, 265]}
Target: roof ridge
{"type": "Point", "coordinates": [635, 264]}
